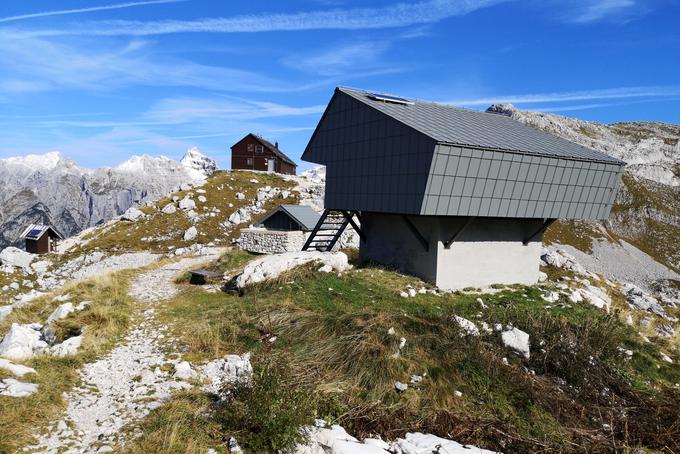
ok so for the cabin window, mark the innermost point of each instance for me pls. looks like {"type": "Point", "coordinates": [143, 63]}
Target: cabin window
{"type": "Point", "coordinates": [251, 147]}
{"type": "Point", "coordinates": [250, 161]}
{"type": "Point", "coordinates": [259, 148]}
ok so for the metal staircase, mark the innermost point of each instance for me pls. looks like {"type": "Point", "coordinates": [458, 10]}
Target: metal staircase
{"type": "Point", "coordinates": [328, 230]}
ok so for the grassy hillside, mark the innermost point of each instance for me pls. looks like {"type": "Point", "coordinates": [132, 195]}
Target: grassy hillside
{"type": "Point", "coordinates": [577, 393]}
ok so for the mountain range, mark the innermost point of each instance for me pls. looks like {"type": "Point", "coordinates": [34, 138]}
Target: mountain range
{"type": "Point", "coordinates": [51, 189]}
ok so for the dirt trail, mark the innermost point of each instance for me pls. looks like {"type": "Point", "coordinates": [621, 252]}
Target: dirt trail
{"type": "Point", "coordinates": [125, 385]}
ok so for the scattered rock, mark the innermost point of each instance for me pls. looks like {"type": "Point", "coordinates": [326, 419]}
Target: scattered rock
{"type": "Point", "coordinates": [15, 257]}
{"type": "Point", "coordinates": [60, 312]}
{"type": "Point", "coordinates": [550, 297]}
{"type": "Point", "coordinates": [202, 199]}
{"type": "Point", "coordinates": [183, 371]}
{"type": "Point", "coordinates": [170, 208]}
{"type": "Point", "coordinates": [14, 388]}
{"type": "Point", "coordinates": [190, 234]}
{"type": "Point", "coordinates": [16, 369]}
{"type": "Point", "coordinates": [401, 387]}
{"type": "Point", "coordinates": [640, 300]}
{"type": "Point", "coordinates": [272, 266]}
{"type": "Point", "coordinates": [69, 347]}
{"type": "Point", "coordinates": [516, 340]}
{"type": "Point", "coordinates": [132, 214]}
{"type": "Point", "coordinates": [597, 297]}
{"type": "Point", "coordinates": [21, 342]}
{"type": "Point", "coordinates": [230, 370]}
{"type": "Point", "coordinates": [187, 204]}
{"type": "Point", "coordinates": [467, 327]}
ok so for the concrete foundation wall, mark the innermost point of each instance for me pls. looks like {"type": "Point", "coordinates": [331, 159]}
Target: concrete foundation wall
{"type": "Point", "coordinates": [265, 241]}
{"type": "Point", "coordinates": [489, 251]}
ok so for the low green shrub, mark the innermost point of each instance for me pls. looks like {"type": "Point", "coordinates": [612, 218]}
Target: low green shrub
{"type": "Point", "coordinates": [267, 414]}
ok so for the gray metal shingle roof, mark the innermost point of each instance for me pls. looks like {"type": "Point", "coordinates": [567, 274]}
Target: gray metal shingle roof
{"type": "Point", "coordinates": [306, 216]}
{"type": "Point", "coordinates": [456, 126]}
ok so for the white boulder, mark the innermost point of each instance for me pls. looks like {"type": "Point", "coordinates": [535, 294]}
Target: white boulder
{"type": "Point", "coordinates": [183, 371]}
{"type": "Point", "coordinates": [15, 257]}
{"type": "Point", "coordinates": [21, 342]}
{"type": "Point", "coordinates": [272, 266]}
{"type": "Point", "coordinates": [69, 347]}
{"type": "Point", "coordinates": [16, 369]}
{"type": "Point", "coordinates": [640, 300]}
{"type": "Point", "coordinates": [60, 312]}
{"type": "Point", "coordinates": [550, 297]}
{"type": "Point", "coordinates": [202, 199]}
{"type": "Point", "coordinates": [169, 208]}
{"type": "Point", "coordinates": [132, 214]}
{"type": "Point", "coordinates": [516, 340]}
{"type": "Point", "coordinates": [190, 234]}
{"type": "Point", "coordinates": [5, 311]}
{"type": "Point", "coordinates": [15, 388]}
{"type": "Point", "coordinates": [187, 204]}
{"type": "Point", "coordinates": [597, 297]}
{"type": "Point", "coordinates": [41, 267]}
{"type": "Point", "coordinates": [230, 370]}
{"type": "Point", "coordinates": [468, 327]}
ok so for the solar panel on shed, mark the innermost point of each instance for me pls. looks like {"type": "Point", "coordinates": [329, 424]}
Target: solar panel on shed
{"type": "Point", "coordinates": [35, 233]}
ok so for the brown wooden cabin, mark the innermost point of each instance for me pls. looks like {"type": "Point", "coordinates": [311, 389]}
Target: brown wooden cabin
{"type": "Point", "coordinates": [40, 239]}
{"type": "Point", "coordinates": [255, 153]}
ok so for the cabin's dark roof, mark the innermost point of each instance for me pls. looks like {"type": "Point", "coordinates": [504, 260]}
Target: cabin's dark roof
{"type": "Point", "coordinates": [36, 231]}
{"type": "Point", "coordinates": [304, 215]}
{"type": "Point", "coordinates": [273, 148]}
{"type": "Point", "coordinates": [471, 128]}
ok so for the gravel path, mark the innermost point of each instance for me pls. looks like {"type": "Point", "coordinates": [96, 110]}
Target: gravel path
{"type": "Point", "coordinates": [124, 386]}
{"type": "Point", "coordinates": [625, 263]}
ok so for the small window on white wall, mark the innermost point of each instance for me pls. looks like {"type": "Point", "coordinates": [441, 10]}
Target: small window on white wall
{"type": "Point", "coordinates": [259, 148]}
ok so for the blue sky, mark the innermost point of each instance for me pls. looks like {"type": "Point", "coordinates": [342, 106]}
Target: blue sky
{"type": "Point", "coordinates": [100, 81]}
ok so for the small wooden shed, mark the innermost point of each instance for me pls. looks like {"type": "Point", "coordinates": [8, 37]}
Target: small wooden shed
{"type": "Point", "coordinates": [40, 239]}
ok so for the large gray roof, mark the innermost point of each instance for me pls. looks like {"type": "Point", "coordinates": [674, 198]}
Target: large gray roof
{"type": "Point", "coordinates": [471, 128]}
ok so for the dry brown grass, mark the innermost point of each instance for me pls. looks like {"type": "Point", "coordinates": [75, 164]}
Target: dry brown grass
{"type": "Point", "coordinates": [106, 319]}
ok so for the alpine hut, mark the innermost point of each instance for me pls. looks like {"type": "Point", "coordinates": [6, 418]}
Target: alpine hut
{"type": "Point", "coordinates": [458, 197]}
{"type": "Point", "coordinates": [40, 239]}
{"type": "Point", "coordinates": [256, 153]}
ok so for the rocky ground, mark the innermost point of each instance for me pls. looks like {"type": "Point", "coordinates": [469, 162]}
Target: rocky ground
{"type": "Point", "coordinates": [134, 378]}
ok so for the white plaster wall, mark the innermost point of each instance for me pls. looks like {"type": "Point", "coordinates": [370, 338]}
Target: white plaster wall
{"type": "Point", "coordinates": [391, 243]}
{"type": "Point", "coordinates": [489, 251]}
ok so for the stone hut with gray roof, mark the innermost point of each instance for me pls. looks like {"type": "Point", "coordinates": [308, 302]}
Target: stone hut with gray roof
{"type": "Point", "coordinates": [458, 197]}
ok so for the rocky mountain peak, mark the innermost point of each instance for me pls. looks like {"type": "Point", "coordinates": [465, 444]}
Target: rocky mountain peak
{"type": "Point", "coordinates": [202, 165]}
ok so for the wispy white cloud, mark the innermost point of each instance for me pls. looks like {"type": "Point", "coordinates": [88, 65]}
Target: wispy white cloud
{"type": "Point", "coordinates": [592, 11]}
{"type": "Point", "coordinates": [36, 64]}
{"type": "Point", "coordinates": [571, 96]}
{"type": "Point", "coordinates": [85, 10]}
{"type": "Point", "coordinates": [397, 15]}
{"type": "Point", "coordinates": [340, 59]}
{"type": "Point", "coordinates": [201, 113]}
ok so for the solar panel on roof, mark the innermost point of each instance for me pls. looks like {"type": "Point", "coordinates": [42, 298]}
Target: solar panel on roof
{"type": "Point", "coordinates": [388, 98]}
{"type": "Point", "coordinates": [34, 232]}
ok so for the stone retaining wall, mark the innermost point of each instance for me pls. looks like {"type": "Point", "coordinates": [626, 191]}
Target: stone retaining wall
{"type": "Point", "coordinates": [265, 241]}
